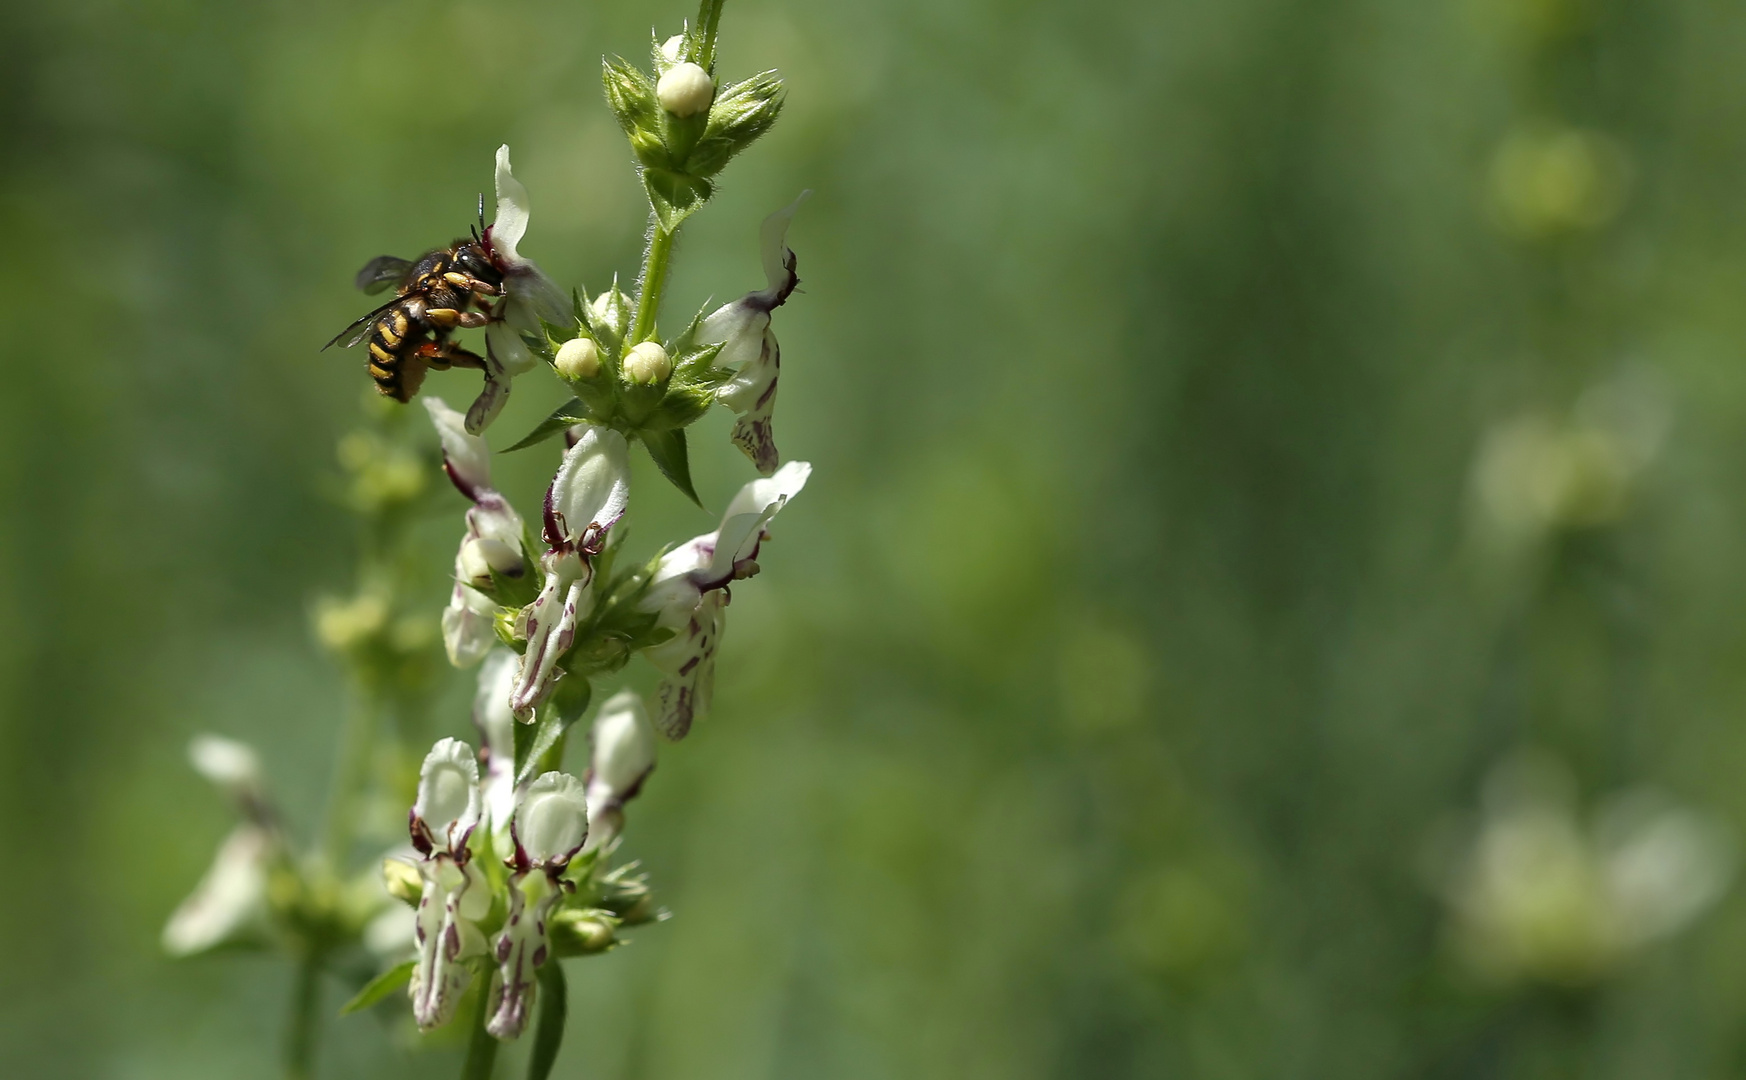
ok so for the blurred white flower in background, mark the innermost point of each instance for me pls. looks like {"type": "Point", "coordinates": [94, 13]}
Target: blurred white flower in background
{"type": "Point", "coordinates": [1538, 895]}
{"type": "Point", "coordinates": [1539, 474]}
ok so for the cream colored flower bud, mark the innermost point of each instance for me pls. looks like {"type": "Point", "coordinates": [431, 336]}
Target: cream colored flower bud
{"type": "Point", "coordinates": [685, 90]}
{"type": "Point", "coordinates": [647, 363]}
{"type": "Point", "coordinates": [578, 358]}
{"type": "Point", "coordinates": [670, 48]}
{"type": "Point", "coordinates": [483, 554]}
{"type": "Point", "coordinates": [401, 879]}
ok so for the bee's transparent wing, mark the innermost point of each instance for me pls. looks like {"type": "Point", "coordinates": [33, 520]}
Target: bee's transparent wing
{"type": "Point", "coordinates": [360, 329]}
{"type": "Point", "coordinates": [381, 272]}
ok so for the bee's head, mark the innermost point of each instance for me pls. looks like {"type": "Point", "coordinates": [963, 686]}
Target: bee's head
{"type": "Point", "coordinates": [476, 258]}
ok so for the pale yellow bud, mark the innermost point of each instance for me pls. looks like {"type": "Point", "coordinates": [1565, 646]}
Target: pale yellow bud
{"type": "Point", "coordinates": [578, 358]}
{"type": "Point", "coordinates": [401, 880]}
{"type": "Point", "coordinates": [685, 90]}
{"type": "Point", "coordinates": [647, 363]}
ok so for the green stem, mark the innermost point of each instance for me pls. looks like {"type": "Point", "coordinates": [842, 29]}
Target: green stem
{"type": "Point", "coordinates": [654, 279]}
{"type": "Point", "coordinates": [708, 18]}
{"type": "Point", "coordinates": [482, 1050]}
{"type": "Point", "coordinates": [305, 1006]}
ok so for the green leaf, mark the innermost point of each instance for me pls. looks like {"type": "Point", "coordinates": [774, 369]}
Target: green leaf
{"type": "Point", "coordinates": [571, 412]}
{"type": "Point", "coordinates": [379, 987]}
{"type": "Point", "coordinates": [554, 1008]}
{"type": "Point", "coordinates": [533, 742]}
{"type": "Point", "coordinates": [672, 458]}
{"type": "Point", "coordinates": [674, 195]}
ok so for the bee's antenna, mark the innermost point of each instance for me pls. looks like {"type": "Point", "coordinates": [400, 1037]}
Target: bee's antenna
{"type": "Point", "coordinates": [481, 211]}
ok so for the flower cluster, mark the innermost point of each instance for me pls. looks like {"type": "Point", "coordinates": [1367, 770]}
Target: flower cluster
{"type": "Point", "coordinates": [499, 882]}
{"type": "Point", "coordinates": [1537, 895]}
{"type": "Point", "coordinates": [508, 868]}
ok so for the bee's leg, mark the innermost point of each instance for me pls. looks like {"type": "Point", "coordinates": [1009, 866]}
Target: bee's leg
{"type": "Point", "coordinates": [443, 355]}
{"type": "Point", "coordinates": [471, 284]}
{"type": "Point", "coordinates": [449, 318]}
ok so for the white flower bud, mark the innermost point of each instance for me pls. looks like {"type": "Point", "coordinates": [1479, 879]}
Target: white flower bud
{"type": "Point", "coordinates": [578, 358]}
{"type": "Point", "coordinates": [624, 745]}
{"type": "Point", "coordinates": [482, 554]}
{"type": "Point", "coordinates": [647, 363]}
{"type": "Point", "coordinates": [670, 48]}
{"type": "Point", "coordinates": [685, 90]}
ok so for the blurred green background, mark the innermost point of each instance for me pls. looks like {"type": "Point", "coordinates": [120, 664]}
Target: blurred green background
{"type": "Point", "coordinates": [1145, 623]}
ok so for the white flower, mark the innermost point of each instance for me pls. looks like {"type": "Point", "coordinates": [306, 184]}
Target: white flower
{"type": "Point", "coordinates": [749, 346]}
{"type": "Point", "coordinates": [623, 757]}
{"type": "Point", "coordinates": [496, 724]}
{"type": "Point", "coordinates": [455, 895]}
{"type": "Point", "coordinates": [550, 827]}
{"type": "Point", "coordinates": [586, 498]}
{"type": "Point", "coordinates": [491, 544]}
{"type": "Point", "coordinates": [230, 902]}
{"type": "Point", "coordinates": [1538, 896]}
{"type": "Point", "coordinates": [688, 593]}
{"type": "Point", "coordinates": [529, 296]}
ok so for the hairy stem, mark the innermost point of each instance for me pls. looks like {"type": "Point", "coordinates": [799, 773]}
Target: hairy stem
{"type": "Point", "coordinates": [708, 18]}
{"type": "Point", "coordinates": [305, 1006]}
{"type": "Point", "coordinates": [653, 280]}
{"type": "Point", "coordinates": [482, 1050]}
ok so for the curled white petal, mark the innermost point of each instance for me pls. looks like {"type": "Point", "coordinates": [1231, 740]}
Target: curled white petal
{"type": "Point", "coordinates": [448, 803]}
{"type": "Point", "coordinates": [510, 224]}
{"type": "Point", "coordinates": [551, 819]}
{"type": "Point", "coordinates": [744, 521]}
{"type": "Point", "coordinates": [749, 347]}
{"type": "Point", "coordinates": [466, 457]}
{"type": "Point", "coordinates": [230, 902]}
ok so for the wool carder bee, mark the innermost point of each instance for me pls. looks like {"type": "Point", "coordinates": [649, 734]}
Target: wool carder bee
{"type": "Point", "coordinates": [441, 290]}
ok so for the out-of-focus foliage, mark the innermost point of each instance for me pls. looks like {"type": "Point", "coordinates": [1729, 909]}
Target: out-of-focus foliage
{"type": "Point", "coordinates": [1238, 426]}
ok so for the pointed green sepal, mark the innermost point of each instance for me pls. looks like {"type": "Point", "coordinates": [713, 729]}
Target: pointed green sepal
{"type": "Point", "coordinates": [671, 456]}
{"type": "Point", "coordinates": [569, 413]}
{"type": "Point", "coordinates": [741, 113]}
